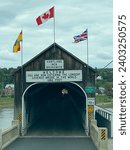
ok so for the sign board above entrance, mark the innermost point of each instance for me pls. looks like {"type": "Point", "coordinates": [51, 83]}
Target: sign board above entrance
{"type": "Point", "coordinates": [54, 76]}
{"type": "Point", "coordinates": [54, 64]}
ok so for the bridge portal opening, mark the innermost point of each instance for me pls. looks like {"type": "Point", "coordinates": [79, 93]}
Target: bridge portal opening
{"type": "Point", "coordinates": [52, 109]}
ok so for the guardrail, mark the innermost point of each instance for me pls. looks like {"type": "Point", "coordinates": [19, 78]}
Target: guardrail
{"type": "Point", "coordinates": [98, 136]}
{"type": "Point", "coordinates": [106, 114]}
{"type": "Point", "coordinates": [9, 135]}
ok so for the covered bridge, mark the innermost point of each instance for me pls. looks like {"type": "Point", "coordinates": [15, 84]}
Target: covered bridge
{"type": "Point", "coordinates": [50, 91]}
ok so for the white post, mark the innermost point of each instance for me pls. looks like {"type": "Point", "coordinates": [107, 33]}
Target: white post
{"type": "Point", "coordinates": [23, 116]}
{"type": "Point", "coordinates": [0, 139]}
{"type": "Point", "coordinates": [87, 127]}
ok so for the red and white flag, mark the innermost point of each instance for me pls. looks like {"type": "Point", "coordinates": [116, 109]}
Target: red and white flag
{"type": "Point", "coordinates": [46, 16]}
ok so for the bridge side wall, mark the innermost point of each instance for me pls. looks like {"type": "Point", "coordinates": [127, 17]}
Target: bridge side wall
{"type": "Point", "coordinates": [9, 135]}
{"type": "Point", "coordinates": [99, 136]}
{"type": "Point", "coordinates": [103, 122]}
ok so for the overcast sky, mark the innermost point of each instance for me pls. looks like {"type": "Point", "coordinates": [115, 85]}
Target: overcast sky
{"type": "Point", "coordinates": [72, 17]}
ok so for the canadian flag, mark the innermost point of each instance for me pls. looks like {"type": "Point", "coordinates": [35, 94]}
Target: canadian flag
{"type": "Point", "coordinates": [46, 16]}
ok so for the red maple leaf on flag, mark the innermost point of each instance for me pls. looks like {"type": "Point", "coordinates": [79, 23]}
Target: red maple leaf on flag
{"type": "Point", "coordinates": [45, 16]}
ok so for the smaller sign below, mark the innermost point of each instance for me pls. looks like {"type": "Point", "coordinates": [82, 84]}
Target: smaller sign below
{"type": "Point", "coordinates": [91, 100]}
{"type": "Point", "coordinates": [54, 64]}
{"type": "Point", "coordinates": [90, 89]}
{"type": "Point", "coordinates": [90, 108]}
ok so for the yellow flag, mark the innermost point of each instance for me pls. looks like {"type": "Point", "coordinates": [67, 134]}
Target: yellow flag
{"type": "Point", "coordinates": [16, 46]}
{"type": "Point", "coordinates": [20, 38]}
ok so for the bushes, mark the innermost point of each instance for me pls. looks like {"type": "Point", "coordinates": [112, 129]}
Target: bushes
{"type": "Point", "coordinates": [6, 102]}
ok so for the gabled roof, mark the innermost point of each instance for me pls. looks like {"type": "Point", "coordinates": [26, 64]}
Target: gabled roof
{"type": "Point", "coordinates": [52, 45]}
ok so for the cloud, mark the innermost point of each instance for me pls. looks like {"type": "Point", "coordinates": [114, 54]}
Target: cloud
{"type": "Point", "coordinates": [71, 18]}
{"type": "Point", "coordinates": [6, 56]}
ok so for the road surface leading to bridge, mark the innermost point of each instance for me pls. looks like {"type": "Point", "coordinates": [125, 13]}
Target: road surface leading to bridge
{"type": "Point", "coordinates": [52, 143]}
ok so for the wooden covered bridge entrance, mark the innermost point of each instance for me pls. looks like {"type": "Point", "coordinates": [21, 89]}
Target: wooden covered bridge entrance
{"type": "Point", "coordinates": [50, 94]}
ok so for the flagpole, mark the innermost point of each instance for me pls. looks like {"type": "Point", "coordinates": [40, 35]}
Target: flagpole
{"type": "Point", "coordinates": [87, 48]}
{"type": "Point", "coordinates": [22, 84]}
{"type": "Point", "coordinates": [21, 49]}
{"type": "Point", "coordinates": [87, 57]}
{"type": "Point", "coordinates": [54, 27]}
{"type": "Point", "coordinates": [54, 24]}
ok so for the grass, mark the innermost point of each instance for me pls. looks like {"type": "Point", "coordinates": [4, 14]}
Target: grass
{"type": "Point", "coordinates": [104, 101]}
{"type": "Point", "coordinates": [6, 102]}
{"type": "Point", "coordinates": [101, 100]}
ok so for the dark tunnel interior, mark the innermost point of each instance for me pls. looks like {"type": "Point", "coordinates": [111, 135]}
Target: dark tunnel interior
{"type": "Point", "coordinates": [55, 109]}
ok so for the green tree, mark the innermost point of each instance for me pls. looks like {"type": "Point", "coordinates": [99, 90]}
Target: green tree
{"type": "Point", "coordinates": [109, 88]}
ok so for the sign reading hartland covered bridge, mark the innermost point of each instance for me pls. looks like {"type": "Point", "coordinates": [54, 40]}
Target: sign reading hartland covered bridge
{"type": "Point", "coordinates": [54, 76]}
{"type": "Point", "coordinates": [54, 64]}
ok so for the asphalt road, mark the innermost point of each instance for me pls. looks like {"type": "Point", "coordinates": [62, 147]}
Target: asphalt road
{"type": "Point", "coordinates": [52, 143]}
